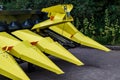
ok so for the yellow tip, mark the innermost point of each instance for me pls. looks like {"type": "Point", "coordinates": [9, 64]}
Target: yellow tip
{"type": "Point", "coordinates": [84, 40]}
{"type": "Point", "coordinates": [58, 51]}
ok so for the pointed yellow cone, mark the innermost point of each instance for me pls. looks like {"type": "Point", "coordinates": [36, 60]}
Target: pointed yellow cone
{"type": "Point", "coordinates": [69, 31]}
{"type": "Point", "coordinates": [58, 51]}
{"type": "Point", "coordinates": [10, 68]}
{"type": "Point", "coordinates": [27, 52]}
{"type": "Point", "coordinates": [60, 22]}
{"type": "Point", "coordinates": [47, 45]}
{"type": "Point", "coordinates": [35, 56]}
{"type": "Point", "coordinates": [84, 40]}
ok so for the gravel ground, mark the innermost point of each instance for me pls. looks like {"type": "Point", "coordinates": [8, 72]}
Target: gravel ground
{"type": "Point", "coordinates": [99, 65]}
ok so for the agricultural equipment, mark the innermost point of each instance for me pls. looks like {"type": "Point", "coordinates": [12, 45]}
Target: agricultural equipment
{"type": "Point", "coordinates": [28, 42]}
{"type": "Point", "coordinates": [60, 23]}
{"type": "Point", "coordinates": [10, 68]}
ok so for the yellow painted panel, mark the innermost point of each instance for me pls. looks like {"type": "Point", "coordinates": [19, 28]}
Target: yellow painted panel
{"type": "Point", "coordinates": [60, 31]}
{"type": "Point", "coordinates": [64, 29]}
{"type": "Point", "coordinates": [10, 68]}
{"type": "Point", "coordinates": [7, 40]}
{"type": "Point", "coordinates": [27, 35]}
{"type": "Point", "coordinates": [59, 16]}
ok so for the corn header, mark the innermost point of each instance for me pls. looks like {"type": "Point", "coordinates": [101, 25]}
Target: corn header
{"type": "Point", "coordinates": [29, 42]}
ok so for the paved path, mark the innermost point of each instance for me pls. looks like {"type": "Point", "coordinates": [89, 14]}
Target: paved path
{"type": "Point", "coordinates": [99, 65]}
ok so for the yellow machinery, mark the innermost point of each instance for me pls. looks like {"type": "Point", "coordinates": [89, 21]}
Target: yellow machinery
{"type": "Point", "coordinates": [27, 52]}
{"type": "Point", "coordinates": [60, 22]}
{"type": "Point", "coordinates": [47, 45]}
{"type": "Point", "coordinates": [29, 46]}
{"type": "Point", "coordinates": [10, 68]}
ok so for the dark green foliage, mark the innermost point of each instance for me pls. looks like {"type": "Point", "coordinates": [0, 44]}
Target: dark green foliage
{"type": "Point", "coordinates": [99, 19]}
